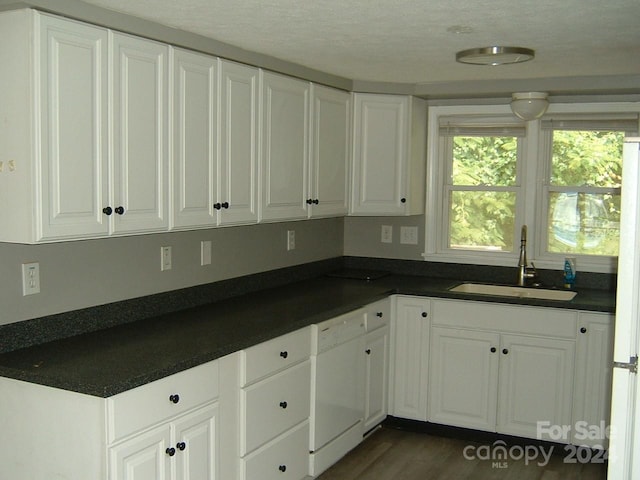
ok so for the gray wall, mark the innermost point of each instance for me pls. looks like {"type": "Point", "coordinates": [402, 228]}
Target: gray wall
{"type": "Point", "coordinates": [86, 273]}
{"type": "Point", "coordinates": [362, 237]}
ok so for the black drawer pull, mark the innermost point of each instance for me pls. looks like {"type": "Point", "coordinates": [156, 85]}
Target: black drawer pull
{"type": "Point", "coordinates": [170, 451]}
{"type": "Point", "coordinates": [283, 404]}
{"type": "Point", "coordinates": [175, 398]}
{"type": "Point", "coordinates": [181, 446]}
{"type": "Point", "coordinates": [493, 349]}
{"type": "Point", "coordinates": [505, 351]}
{"type": "Point", "coordinates": [284, 354]}
{"type": "Point", "coordinates": [282, 468]}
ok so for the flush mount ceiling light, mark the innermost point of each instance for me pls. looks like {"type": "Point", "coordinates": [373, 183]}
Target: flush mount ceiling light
{"type": "Point", "coordinates": [495, 55]}
{"type": "Point", "coordinates": [529, 105]}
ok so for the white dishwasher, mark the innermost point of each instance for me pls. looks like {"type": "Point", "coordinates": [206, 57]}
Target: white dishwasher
{"type": "Point", "coordinates": [337, 389]}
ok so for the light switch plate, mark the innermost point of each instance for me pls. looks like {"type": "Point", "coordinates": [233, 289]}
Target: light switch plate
{"type": "Point", "coordinates": [386, 234]}
{"type": "Point", "coordinates": [291, 239]}
{"type": "Point", "coordinates": [165, 258]}
{"type": "Point", "coordinates": [205, 252]}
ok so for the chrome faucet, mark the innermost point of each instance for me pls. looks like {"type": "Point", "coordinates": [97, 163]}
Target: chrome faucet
{"type": "Point", "coordinates": [524, 272]}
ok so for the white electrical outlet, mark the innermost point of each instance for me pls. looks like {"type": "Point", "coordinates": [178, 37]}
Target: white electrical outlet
{"type": "Point", "coordinates": [205, 252]}
{"type": "Point", "coordinates": [165, 258]}
{"type": "Point", "coordinates": [30, 278]}
{"type": "Point", "coordinates": [291, 239]}
{"type": "Point", "coordinates": [409, 235]}
{"type": "Point", "coordinates": [387, 234]}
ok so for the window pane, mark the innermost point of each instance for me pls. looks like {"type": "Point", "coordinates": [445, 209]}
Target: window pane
{"type": "Point", "coordinates": [587, 158]}
{"type": "Point", "coordinates": [482, 220]}
{"type": "Point", "coordinates": [484, 160]}
{"type": "Point", "coordinates": [585, 224]}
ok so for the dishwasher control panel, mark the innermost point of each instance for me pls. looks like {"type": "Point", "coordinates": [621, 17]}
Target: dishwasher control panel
{"type": "Point", "coordinates": [338, 330]}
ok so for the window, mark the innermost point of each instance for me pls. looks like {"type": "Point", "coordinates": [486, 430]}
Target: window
{"type": "Point", "coordinates": [491, 173]}
{"type": "Point", "coordinates": [482, 186]}
{"type": "Point", "coordinates": [582, 188]}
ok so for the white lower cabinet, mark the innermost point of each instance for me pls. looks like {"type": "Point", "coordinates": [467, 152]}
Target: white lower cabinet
{"type": "Point", "coordinates": [410, 358]}
{"type": "Point", "coordinates": [491, 369]}
{"type": "Point", "coordinates": [463, 384]}
{"type": "Point", "coordinates": [183, 449]}
{"type": "Point", "coordinates": [592, 386]}
{"type": "Point", "coordinates": [164, 430]}
{"type": "Point", "coordinates": [167, 429]}
{"type": "Point", "coordinates": [535, 385]}
{"type": "Point", "coordinates": [275, 403]}
{"type": "Point", "coordinates": [377, 321]}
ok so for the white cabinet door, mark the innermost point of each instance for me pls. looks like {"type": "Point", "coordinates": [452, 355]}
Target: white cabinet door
{"type": "Point", "coordinates": [463, 380]}
{"type": "Point", "coordinates": [144, 457]}
{"type": "Point", "coordinates": [329, 158]}
{"type": "Point", "coordinates": [592, 388]}
{"type": "Point", "coordinates": [238, 179]}
{"type": "Point", "coordinates": [410, 344]}
{"type": "Point", "coordinates": [194, 148]}
{"type": "Point", "coordinates": [196, 444]}
{"type": "Point", "coordinates": [535, 384]}
{"type": "Point", "coordinates": [388, 155]}
{"type": "Point", "coordinates": [377, 365]}
{"type": "Point", "coordinates": [140, 134]}
{"type": "Point", "coordinates": [73, 122]}
{"type": "Point", "coordinates": [285, 147]}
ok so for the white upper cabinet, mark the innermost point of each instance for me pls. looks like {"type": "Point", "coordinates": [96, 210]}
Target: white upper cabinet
{"type": "Point", "coordinates": [53, 140]}
{"type": "Point", "coordinates": [388, 155]}
{"type": "Point", "coordinates": [66, 170]}
{"type": "Point", "coordinates": [194, 165]}
{"type": "Point", "coordinates": [329, 158]}
{"type": "Point", "coordinates": [238, 144]}
{"type": "Point", "coordinates": [285, 147]}
{"type": "Point", "coordinates": [215, 157]}
{"type": "Point", "coordinates": [73, 122]}
{"type": "Point", "coordinates": [140, 166]}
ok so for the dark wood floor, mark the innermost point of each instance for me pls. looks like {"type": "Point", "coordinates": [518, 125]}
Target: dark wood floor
{"type": "Point", "coordinates": [392, 454]}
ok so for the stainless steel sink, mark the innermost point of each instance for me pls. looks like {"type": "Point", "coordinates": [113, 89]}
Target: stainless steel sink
{"type": "Point", "coordinates": [513, 291]}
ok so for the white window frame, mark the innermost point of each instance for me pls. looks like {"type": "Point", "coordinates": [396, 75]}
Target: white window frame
{"type": "Point", "coordinates": [531, 210]}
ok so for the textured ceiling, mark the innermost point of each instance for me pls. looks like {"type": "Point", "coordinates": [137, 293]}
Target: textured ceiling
{"type": "Point", "coordinates": [414, 41]}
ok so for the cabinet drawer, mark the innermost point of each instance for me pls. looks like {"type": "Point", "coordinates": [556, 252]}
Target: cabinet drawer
{"type": "Point", "coordinates": [287, 458]}
{"type": "Point", "coordinates": [272, 406]}
{"type": "Point", "coordinates": [541, 321]}
{"type": "Point", "coordinates": [377, 315]}
{"type": "Point", "coordinates": [149, 404]}
{"type": "Point", "coordinates": [274, 355]}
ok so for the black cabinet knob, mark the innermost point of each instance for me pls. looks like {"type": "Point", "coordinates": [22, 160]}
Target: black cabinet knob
{"type": "Point", "coordinates": [424, 314]}
{"type": "Point", "coordinates": [107, 210]}
{"type": "Point", "coordinates": [217, 206]}
{"type": "Point", "coordinates": [583, 330]}
{"type": "Point", "coordinates": [283, 404]}
{"type": "Point", "coordinates": [282, 468]}
{"type": "Point", "coordinates": [316, 201]}
{"type": "Point", "coordinates": [119, 210]}
{"type": "Point", "coordinates": [175, 398]}
{"type": "Point", "coordinates": [379, 314]}
{"type": "Point", "coordinates": [225, 204]}
{"type": "Point", "coordinates": [309, 201]}
{"type": "Point", "coordinates": [403, 200]}
{"type": "Point", "coordinates": [170, 451]}
{"type": "Point", "coordinates": [493, 349]}
{"type": "Point", "coordinates": [181, 446]}
{"type": "Point", "coordinates": [284, 354]}
{"type": "Point", "coordinates": [505, 351]}
{"type": "Point", "coordinates": [368, 351]}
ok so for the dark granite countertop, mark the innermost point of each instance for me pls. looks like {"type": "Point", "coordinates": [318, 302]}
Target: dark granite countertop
{"type": "Point", "coordinates": [106, 362]}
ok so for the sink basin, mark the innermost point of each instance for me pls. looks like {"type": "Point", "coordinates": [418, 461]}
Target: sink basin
{"type": "Point", "coordinates": [513, 291]}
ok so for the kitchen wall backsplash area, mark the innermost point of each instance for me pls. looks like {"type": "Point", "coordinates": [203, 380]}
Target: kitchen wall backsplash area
{"type": "Point", "coordinates": [80, 274]}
